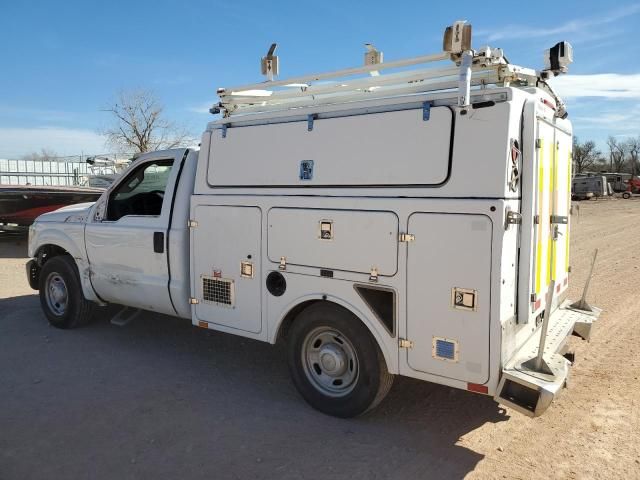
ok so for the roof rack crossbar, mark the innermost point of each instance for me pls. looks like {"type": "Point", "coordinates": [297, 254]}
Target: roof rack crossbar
{"type": "Point", "coordinates": [407, 62]}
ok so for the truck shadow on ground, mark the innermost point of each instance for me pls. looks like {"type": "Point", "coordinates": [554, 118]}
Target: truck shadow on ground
{"type": "Point", "coordinates": [13, 245]}
{"type": "Point", "coordinates": [160, 398]}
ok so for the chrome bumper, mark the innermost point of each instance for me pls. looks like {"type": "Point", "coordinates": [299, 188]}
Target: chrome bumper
{"type": "Point", "coordinates": [529, 391]}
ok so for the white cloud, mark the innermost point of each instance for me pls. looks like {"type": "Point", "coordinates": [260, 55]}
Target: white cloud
{"type": "Point", "coordinates": [576, 26]}
{"type": "Point", "coordinates": [623, 119]}
{"type": "Point", "coordinates": [607, 85]}
{"type": "Point", "coordinates": [15, 142]}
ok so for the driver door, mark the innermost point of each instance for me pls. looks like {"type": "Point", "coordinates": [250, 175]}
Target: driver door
{"type": "Point", "coordinates": [126, 238]}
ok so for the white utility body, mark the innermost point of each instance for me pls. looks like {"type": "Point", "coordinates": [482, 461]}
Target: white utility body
{"type": "Point", "coordinates": [412, 223]}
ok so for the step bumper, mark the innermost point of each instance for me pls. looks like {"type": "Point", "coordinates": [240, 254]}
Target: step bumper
{"type": "Point", "coordinates": [530, 391]}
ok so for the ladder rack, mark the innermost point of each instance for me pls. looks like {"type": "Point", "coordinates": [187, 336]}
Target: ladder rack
{"type": "Point", "coordinates": [469, 69]}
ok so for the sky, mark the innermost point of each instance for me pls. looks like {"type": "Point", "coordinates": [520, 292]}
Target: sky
{"type": "Point", "coordinates": [62, 63]}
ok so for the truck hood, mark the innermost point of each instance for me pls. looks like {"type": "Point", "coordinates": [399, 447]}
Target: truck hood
{"type": "Point", "coordinates": [71, 213]}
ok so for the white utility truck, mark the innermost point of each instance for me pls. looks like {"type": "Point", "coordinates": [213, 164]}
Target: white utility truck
{"type": "Point", "coordinates": [408, 223]}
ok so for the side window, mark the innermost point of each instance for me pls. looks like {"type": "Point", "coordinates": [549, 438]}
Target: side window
{"type": "Point", "coordinates": [141, 192]}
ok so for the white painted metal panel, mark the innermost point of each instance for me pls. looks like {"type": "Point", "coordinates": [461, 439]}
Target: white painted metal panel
{"type": "Point", "coordinates": [449, 251]}
{"type": "Point", "coordinates": [225, 237]}
{"type": "Point", "coordinates": [561, 205]}
{"type": "Point", "coordinates": [391, 148]}
{"type": "Point", "coordinates": [361, 240]}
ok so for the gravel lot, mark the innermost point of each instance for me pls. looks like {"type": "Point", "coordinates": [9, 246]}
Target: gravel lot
{"type": "Point", "coordinates": [162, 399]}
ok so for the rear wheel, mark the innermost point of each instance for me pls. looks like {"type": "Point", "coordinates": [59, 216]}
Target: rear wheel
{"type": "Point", "coordinates": [626, 195]}
{"type": "Point", "coordinates": [335, 362]}
{"type": "Point", "coordinates": [61, 295]}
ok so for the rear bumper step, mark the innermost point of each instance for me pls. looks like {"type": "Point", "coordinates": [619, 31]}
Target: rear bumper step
{"type": "Point", "coordinates": [529, 391]}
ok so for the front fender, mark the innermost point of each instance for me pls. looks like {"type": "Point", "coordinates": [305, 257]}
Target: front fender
{"type": "Point", "coordinates": [70, 238]}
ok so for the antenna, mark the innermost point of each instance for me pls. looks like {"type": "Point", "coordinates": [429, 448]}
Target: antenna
{"type": "Point", "coordinates": [269, 64]}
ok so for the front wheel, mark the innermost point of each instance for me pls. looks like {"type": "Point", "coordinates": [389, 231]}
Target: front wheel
{"type": "Point", "coordinates": [61, 295]}
{"type": "Point", "coordinates": [626, 195]}
{"type": "Point", "coordinates": [335, 363]}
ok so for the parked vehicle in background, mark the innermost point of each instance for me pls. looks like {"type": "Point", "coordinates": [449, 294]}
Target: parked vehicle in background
{"type": "Point", "coordinates": [617, 180]}
{"type": "Point", "coordinates": [31, 187]}
{"type": "Point", "coordinates": [340, 217]}
{"type": "Point", "coordinates": [584, 187]}
{"type": "Point", "coordinates": [633, 187]}
{"type": "Point", "coordinates": [20, 205]}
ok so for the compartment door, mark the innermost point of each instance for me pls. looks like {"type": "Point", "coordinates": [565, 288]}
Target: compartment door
{"type": "Point", "coordinates": [561, 203]}
{"type": "Point", "coordinates": [449, 273]}
{"type": "Point", "coordinates": [553, 200]}
{"type": "Point", "coordinates": [226, 266]}
{"type": "Point", "coordinates": [347, 240]}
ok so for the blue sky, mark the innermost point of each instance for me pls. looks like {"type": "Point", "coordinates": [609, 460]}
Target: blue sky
{"type": "Point", "coordinates": [62, 62]}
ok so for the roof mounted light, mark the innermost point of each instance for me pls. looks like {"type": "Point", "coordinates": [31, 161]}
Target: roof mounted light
{"type": "Point", "coordinates": [557, 59]}
{"type": "Point", "coordinates": [457, 38]}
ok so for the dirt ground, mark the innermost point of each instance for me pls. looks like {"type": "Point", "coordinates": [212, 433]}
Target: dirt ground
{"type": "Point", "coordinates": [162, 399]}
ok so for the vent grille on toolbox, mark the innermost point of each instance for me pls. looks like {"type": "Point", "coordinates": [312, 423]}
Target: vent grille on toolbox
{"type": "Point", "coordinates": [445, 349]}
{"type": "Point", "coordinates": [217, 290]}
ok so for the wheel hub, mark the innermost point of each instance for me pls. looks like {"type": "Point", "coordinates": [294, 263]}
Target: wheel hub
{"type": "Point", "coordinates": [333, 360]}
{"type": "Point", "coordinates": [56, 294]}
{"type": "Point", "coordinates": [330, 361]}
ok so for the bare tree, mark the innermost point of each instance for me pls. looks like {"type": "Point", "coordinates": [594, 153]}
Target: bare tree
{"type": "Point", "coordinates": [633, 149]}
{"type": "Point", "coordinates": [617, 153]}
{"type": "Point", "coordinates": [585, 155]}
{"type": "Point", "coordinates": [139, 125]}
{"type": "Point", "coordinates": [44, 154]}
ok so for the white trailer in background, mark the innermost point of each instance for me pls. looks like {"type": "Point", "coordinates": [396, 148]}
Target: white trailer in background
{"type": "Point", "coordinates": [584, 187]}
{"type": "Point", "coordinates": [412, 223]}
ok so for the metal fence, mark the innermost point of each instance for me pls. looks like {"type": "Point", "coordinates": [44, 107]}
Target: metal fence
{"type": "Point", "coordinates": [48, 171]}
{"type": "Point", "coordinates": [42, 172]}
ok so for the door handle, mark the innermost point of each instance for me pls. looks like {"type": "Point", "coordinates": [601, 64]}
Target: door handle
{"type": "Point", "coordinates": [158, 242]}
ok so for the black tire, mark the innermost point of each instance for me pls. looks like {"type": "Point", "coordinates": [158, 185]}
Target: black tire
{"type": "Point", "coordinates": [626, 195]}
{"type": "Point", "coordinates": [372, 380]}
{"type": "Point", "coordinates": [70, 311]}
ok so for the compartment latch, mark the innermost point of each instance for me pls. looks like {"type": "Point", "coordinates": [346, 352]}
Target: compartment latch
{"type": "Point", "coordinates": [406, 237]}
{"type": "Point", "coordinates": [373, 275]}
{"type": "Point", "coordinates": [404, 343]}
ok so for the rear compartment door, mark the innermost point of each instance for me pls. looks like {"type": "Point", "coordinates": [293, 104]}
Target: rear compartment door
{"type": "Point", "coordinates": [560, 209]}
{"type": "Point", "coordinates": [448, 290]}
{"type": "Point", "coordinates": [552, 203]}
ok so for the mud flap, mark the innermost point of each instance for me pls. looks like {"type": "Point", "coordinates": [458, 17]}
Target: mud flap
{"type": "Point", "coordinates": [33, 274]}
